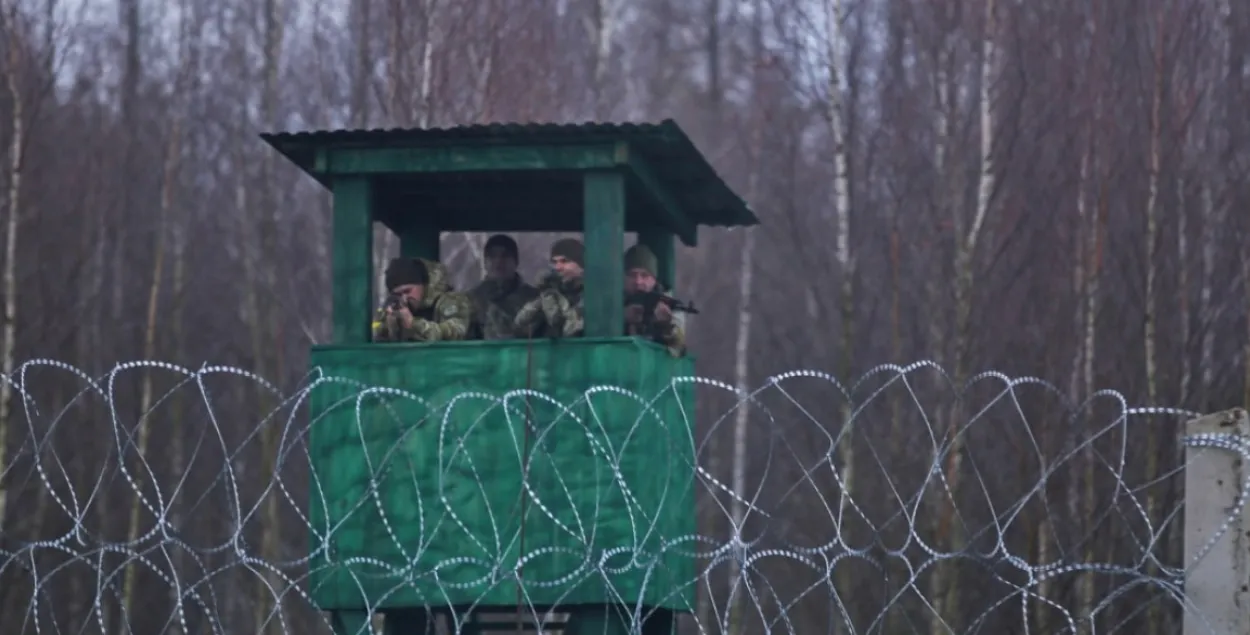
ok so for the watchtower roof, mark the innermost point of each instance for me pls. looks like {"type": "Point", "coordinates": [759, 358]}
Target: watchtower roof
{"type": "Point", "coordinates": [522, 177]}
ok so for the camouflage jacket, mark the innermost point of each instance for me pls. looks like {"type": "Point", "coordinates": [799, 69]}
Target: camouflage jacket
{"type": "Point", "coordinates": [496, 304]}
{"type": "Point", "coordinates": [444, 314]}
{"type": "Point", "coordinates": [672, 335]}
{"type": "Point", "coordinates": [556, 312]}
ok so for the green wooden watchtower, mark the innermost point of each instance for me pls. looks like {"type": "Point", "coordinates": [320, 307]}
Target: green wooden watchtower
{"type": "Point", "coordinates": [432, 500]}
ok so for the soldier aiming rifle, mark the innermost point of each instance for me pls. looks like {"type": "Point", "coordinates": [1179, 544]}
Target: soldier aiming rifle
{"type": "Point", "coordinates": [649, 310]}
{"type": "Point", "coordinates": [648, 299]}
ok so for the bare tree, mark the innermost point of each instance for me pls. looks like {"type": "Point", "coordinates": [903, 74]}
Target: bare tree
{"type": "Point", "coordinates": [15, 64]}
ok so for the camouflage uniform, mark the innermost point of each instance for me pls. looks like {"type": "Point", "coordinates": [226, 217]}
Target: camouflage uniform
{"type": "Point", "coordinates": [443, 314]}
{"type": "Point", "coordinates": [557, 311]}
{"type": "Point", "coordinates": [671, 334]}
{"type": "Point", "coordinates": [496, 304]}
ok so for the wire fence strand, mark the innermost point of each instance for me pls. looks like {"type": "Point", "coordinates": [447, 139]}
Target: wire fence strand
{"type": "Point", "coordinates": [896, 503]}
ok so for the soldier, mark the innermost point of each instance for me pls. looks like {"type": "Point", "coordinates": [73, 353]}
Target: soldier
{"type": "Point", "coordinates": [557, 311]}
{"type": "Point", "coordinates": [429, 311]}
{"type": "Point", "coordinates": [501, 295]}
{"type": "Point", "coordinates": [660, 325]}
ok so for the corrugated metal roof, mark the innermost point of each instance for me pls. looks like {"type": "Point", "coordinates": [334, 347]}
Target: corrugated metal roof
{"type": "Point", "coordinates": [578, 131]}
{"type": "Point", "coordinates": [673, 156]}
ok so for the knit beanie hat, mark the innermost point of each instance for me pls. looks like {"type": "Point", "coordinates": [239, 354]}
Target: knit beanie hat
{"type": "Point", "coordinates": [504, 242]}
{"type": "Point", "coordinates": [402, 271]}
{"type": "Point", "coordinates": [570, 248]}
{"type": "Point", "coordinates": [641, 257]}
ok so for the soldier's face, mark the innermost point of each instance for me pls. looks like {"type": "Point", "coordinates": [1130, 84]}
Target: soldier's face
{"type": "Point", "coordinates": [500, 265]}
{"type": "Point", "coordinates": [565, 267]}
{"type": "Point", "coordinates": [413, 292]}
{"type": "Point", "coordinates": [639, 280]}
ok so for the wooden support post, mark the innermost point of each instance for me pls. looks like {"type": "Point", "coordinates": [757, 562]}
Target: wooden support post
{"type": "Point", "coordinates": [661, 243]}
{"type": "Point", "coordinates": [1217, 580]}
{"type": "Point", "coordinates": [352, 259]}
{"type": "Point", "coordinates": [603, 227]}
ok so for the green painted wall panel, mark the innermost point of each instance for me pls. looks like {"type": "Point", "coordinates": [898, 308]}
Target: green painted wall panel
{"type": "Point", "coordinates": [352, 266]}
{"type": "Point", "coordinates": [603, 232]}
{"type": "Point", "coordinates": [448, 475]}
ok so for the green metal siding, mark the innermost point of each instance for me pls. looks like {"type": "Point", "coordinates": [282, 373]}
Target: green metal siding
{"type": "Point", "coordinates": [448, 478]}
{"type": "Point", "coordinates": [604, 237]}
{"type": "Point", "coordinates": [352, 265]}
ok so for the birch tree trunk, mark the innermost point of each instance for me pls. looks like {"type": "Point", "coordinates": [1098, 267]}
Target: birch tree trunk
{"type": "Point", "coordinates": [742, 352]}
{"type": "Point", "coordinates": [270, 323]}
{"type": "Point", "coordinates": [742, 343]}
{"type": "Point", "coordinates": [384, 239]}
{"type": "Point", "coordinates": [178, 237]}
{"type": "Point", "coordinates": [149, 343]}
{"type": "Point", "coordinates": [946, 576]}
{"type": "Point", "coordinates": [131, 76]}
{"type": "Point", "coordinates": [1211, 224]}
{"type": "Point", "coordinates": [705, 595]}
{"type": "Point", "coordinates": [1093, 257]}
{"type": "Point", "coordinates": [1182, 275]}
{"type": "Point", "coordinates": [15, 63]}
{"type": "Point", "coordinates": [936, 292]}
{"type": "Point", "coordinates": [362, 79]}
{"type": "Point", "coordinates": [896, 620]}
{"type": "Point", "coordinates": [601, 29]}
{"type": "Point", "coordinates": [1084, 275]}
{"type": "Point", "coordinates": [935, 288]}
{"type": "Point", "coordinates": [1092, 219]}
{"type": "Point", "coordinates": [1151, 318]}
{"type": "Point", "coordinates": [835, 17]}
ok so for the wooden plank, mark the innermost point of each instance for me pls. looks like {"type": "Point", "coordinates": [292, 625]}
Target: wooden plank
{"type": "Point", "coordinates": [668, 204]}
{"type": "Point", "coordinates": [463, 158]}
{"type": "Point", "coordinates": [603, 218]}
{"type": "Point", "coordinates": [352, 259]}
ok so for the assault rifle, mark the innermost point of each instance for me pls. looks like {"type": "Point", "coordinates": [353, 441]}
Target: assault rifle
{"type": "Point", "coordinates": [394, 302]}
{"type": "Point", "coordinates": [648, 300]}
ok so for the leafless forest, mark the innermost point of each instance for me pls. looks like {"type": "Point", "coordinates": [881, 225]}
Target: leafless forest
{"type": "Point", "coordinates": [1052, 189]}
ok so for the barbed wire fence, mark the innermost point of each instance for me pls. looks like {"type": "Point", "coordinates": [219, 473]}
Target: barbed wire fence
{"type": "Point", "coordinates": [159, 499]}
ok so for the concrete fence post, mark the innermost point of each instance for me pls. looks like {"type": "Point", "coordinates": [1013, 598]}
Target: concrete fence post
{"type": "Point", "coordinates": [1217, 567]}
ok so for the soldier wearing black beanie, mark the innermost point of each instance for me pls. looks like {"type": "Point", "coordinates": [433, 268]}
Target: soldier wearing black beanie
{"type": "Point", "coordinates": [405, 271]}
{"type": "Point", "coordinates": [427, 309]}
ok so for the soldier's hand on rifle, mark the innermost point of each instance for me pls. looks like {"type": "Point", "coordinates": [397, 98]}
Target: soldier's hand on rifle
{"type": "Point", "coordinates": [404, 316]}
{"type": "Point", "coordinates": [552, 306]}
{"type": "Point", "coordinates": [663, 314]}
{"type": "Point", "coordinates": [633, 314]}
{"type": "Point", "coordinates": [421, 327]}
{"type": "Point", "coordinates": [390, 325]}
